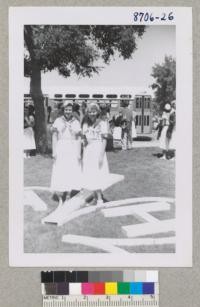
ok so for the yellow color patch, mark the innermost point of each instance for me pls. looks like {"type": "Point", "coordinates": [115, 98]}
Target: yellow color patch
{"type": "Point", "coordinates": [110, 288]}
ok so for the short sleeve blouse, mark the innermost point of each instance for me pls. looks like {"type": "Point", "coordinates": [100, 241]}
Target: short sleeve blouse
{"type": "Point", "coordinates": [67, 129]}
{"type": "Point", "coordinates": [95, 132]}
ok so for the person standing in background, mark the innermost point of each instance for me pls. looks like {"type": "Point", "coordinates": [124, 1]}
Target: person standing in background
{"type": "Point", "coordinates": [128, 117]}
{"type": "Point", "coordinates": [164, 140]}
{"type": "Point", "coordinates": [29, 138]}
{"type": "Point", "coordinates": [171, 132]}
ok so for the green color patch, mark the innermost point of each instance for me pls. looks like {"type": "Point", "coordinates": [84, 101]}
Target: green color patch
{"type": "Point", "coordinates": [123, 288]}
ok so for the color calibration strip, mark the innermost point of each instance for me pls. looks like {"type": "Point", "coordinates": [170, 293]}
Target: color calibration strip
{"type": "Point", "coordinates": [99, 282]}
{"type": "Point", "coordinates": [99, 288]}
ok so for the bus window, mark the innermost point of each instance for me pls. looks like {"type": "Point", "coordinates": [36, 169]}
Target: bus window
{"type": "Point", "coordinates": [84, 96]}
{"type": "Point", "coordinates": [97, 96]}
{"type": "Point", "coordinates": [111, 96]}
{"type": "Point", "coordinates": [125, 96]}
{"type": "Point", "coordinates": [137, 102]}
{"type": "Point", "coordinates": [136, 120]}
{"type": "Point", "coordinates": [140, 120]}
{"type": "Point", "coordinates": [147, 120]}
{"type": "Point", "coordinates": [149, 100]}
{"type": "Point", "coordinates": [146, 103]}
{"type": "Point", "coordinates": [70, 96]}
{"type": "Point", "coordinates": [58, 95]}
{"type": "Point", "coordinates": [144, 120]}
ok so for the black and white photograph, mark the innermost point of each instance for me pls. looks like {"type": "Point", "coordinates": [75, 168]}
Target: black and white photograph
{"type": "Point", "coordinates": [100, 140]}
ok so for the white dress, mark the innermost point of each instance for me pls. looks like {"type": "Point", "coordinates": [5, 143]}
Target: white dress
{"type": "Point", "coordinates": [172, 141]}
{"type": "Point", "coordinates": [94, 176]}
{"type": "Point", "coordinates": [29, 138]}
{"type": "Point", "coordinates": [164, 141]}
{"type": "Point", "coordinates": [134, 131]}
{"type": "Point", "coordinates": [66, 172]}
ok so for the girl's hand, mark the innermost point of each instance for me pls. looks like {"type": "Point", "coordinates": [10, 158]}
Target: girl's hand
{"type": "Point", "coordinates": [100, 161]}
{"type": "Point", "coordinates": [53, 129]}
{"type": "Point", "coordinates": [79, 158]}
{"type": "Point", "coordinates": [27, 120]}
{"type": "Point", "coordinates": [84, 141]}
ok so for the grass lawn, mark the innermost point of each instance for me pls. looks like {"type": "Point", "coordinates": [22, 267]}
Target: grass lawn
{"type": "Point", "coordinates": [145, 176]}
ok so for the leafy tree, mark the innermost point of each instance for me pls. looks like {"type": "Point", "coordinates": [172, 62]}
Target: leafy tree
{"type": "Point", "coordinates": [70, 49]}
{"type": "Point", "coordinates": [165, 82]}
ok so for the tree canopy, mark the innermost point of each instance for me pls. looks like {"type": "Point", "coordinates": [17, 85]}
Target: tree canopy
{"type": "Point", "coordinates": [74, 49]}
{"type": "Point", "coordinates": [165, 81]}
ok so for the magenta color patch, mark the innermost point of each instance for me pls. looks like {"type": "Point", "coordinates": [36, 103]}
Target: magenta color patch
{"type": "Point", "coordinates": [87, 288]}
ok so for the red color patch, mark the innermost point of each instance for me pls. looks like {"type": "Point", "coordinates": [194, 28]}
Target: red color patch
{"type": "Point", "coordinates": [99, 288]}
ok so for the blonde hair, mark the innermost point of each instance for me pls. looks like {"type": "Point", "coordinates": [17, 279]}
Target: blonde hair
{"type": "Point", "coordinates": [93, 105]}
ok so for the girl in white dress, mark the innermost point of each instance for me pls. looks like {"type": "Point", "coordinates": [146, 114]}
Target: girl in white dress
{"type": "Point", "coordinates": [29, 139]}
{"type": "Point", "coordinates": [172, 129]}
{"type": "Point", "coordinates": [66, 172]}
{"type": "Point", "coordinates": [95, 163]}
{"type": "Point", "coordinates": [164, 141]}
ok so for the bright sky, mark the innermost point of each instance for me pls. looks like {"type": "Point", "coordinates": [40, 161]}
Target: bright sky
{"type": "Point", "coordinates": [156, 42]}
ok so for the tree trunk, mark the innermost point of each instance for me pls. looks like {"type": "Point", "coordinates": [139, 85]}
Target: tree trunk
{"type": "Point", "coordinates": [38, 99]}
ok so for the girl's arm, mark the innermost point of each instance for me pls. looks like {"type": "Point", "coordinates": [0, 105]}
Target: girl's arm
{"type": "Point", "coordinates": [31, 121]}
{"type": "Point", "coordinates": [54, 131]}
{"type": "Point", "coordinates": [54, 143]}
{"type": "Point", "coordinates": [79, 145]}
{"type": "Point", "coordinates": [104, 130]}
{"type": "Point", "coordinates": [102, 152]}
{"type": "Point", "coordinates": [28, 121]}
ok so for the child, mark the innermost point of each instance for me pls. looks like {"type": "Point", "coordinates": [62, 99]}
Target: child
{"type": "Point", "coordinates": [66, 172]}
{"type": "Point", "coordinates": [164, 141]}
{"type": "Point", "coordinates": [95, 164]}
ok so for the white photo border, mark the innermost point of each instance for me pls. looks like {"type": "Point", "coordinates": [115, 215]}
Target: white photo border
{"type": "Point", "coordinates": [18, 17]}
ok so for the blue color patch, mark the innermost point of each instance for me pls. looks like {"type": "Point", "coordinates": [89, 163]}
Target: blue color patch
{"type": "Point", "coordinates": [148, 288]}
{"type": "Point", "coordinates": [136, 288]}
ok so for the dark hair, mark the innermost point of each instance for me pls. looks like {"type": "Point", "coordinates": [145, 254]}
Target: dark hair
{"type": "Point", "coordinates": [76, 107]}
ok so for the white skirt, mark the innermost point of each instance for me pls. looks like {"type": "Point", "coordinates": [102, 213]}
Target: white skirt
{"type": "Point", "coordinates": [172, 141]}
{"type": "Point", "coordinates": [66, 172]}
{"type": "Point", "coordinates": [94, 177]}
{"type": "Point", "coordinates": [29, 139]}
{"type": "Point", "coordinates": [164, 141]}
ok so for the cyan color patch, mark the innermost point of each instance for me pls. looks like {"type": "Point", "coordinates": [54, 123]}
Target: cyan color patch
{"type": "Point", "coordinates": [136, 288]}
